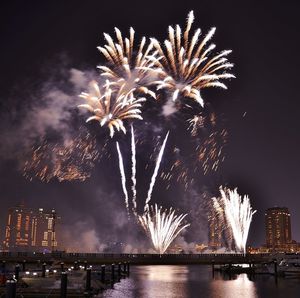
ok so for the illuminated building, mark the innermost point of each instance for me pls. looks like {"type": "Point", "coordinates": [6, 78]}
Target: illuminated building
{"type": "Point", "coordinates": [27, 229]}
{"type": "Point", "coordinates": [278, 229]}
{"type": "Point", "coordinates": [214, 231]}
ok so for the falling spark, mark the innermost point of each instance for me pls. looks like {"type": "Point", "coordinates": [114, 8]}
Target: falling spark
{"type": "Point", "coordinates": [196, 122]}
{"type": "Point", "coordinates": [162, 226]}
{"type": "Point", "coordinates": [111, 107]}
{"type": "Point", "coordinates": [128, 67]}
{"type": "Point", "coordinates": [238, 213]}
{"type": "Point", "coordinates": [123, 176]}
{"type": "Point", "coordinates": [73, 160]}
{"type": "Point", "coordinates": [133, 177]}
{"type": "Point", "coordinates": [153, 178]}
{"type": "Point", "coordinates": [185, 65]}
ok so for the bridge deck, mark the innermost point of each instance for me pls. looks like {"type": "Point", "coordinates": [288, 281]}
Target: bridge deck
{"type": "Point", "coordinates": [100, 258]}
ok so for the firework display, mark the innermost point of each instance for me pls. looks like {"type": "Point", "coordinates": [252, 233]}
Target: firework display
{"type": "Point", "coordinates": [162, 226]}
{"type": "Point", "coordinates": [186, 64]}
{"type": "Point", "coordinates": [132, 74]}
{"type": "Point", "coordinates": [128, 68]}
{"type": "Point", "coordinates": [237, 213]}
{"type": "Point", "coordinates": [73, 160]}
{"type": "Point", "coordinates": [111, 107]}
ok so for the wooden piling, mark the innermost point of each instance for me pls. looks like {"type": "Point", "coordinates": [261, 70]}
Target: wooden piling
{"type": "Point", "coordinates": [119, 271]}
{"type": "Point", "coordinates": [62, 266]}
{"type": "Point", "coordinates": [64, 285]}
{"type": "Point", "coordinates": [11, 288]}
{"type": "Point", "coordinates": [88, 280]}
{"type": "Point", "coordinates": [44, 270]}
{"type": "Point", "coordinates": [17, 272]}
{"type": "Point", "coordinates": [103, 274]}
{"type": "Point", "coordinates": [112, 278]}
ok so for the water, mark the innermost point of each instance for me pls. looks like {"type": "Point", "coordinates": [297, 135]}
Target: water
{"type": "Point", "coordinates": [197, 281]}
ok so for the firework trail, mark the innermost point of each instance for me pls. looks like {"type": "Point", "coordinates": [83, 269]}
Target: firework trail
{"type": "Point", "coordinates": [238, 213]}
{"type": "Point", "coordinates": [123, 177]}
{"type": "Point", "coordinates": [129, 67]}
{"type": "Point", "coordinates": [162, 226]}
{"type": "Point", "coordinates": [153, 178]}
{"type": "Point", "coordinates": [133, 177]}
{"type": "Point", "coordinates": [186, 65]}
{"type": "Point", "coordinates": [110, 107]}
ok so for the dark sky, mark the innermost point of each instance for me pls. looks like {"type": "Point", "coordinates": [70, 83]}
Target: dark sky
{"type": "Point", "coordinates": [41, 39]}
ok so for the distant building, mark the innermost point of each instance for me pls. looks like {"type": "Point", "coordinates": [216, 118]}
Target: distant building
{"type": "Point", "coordinates": [28, 229]}
{"type": "Point", "coordinates": [278, 229]}
{"type": "Point", "coordinates": [215, 231]}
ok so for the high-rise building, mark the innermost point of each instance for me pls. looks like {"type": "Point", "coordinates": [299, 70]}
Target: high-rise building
{"type": "Point", "coordinates": [214, 230]}
{"type": "Point", "coordinates": [278, 229]}
{"type": "Point", "coordinates": [27, 229]}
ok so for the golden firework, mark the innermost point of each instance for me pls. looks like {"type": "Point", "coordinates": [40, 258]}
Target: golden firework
{"type": "Point", "coordinates": [111, 107]}
{"type": "Point", "coordinates": [186, 66]}
{"type": "Point", "coordinates": [128, 67]}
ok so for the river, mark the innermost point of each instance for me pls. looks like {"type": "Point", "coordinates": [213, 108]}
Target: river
{"type": "Point", "coordinates": [166, 281]}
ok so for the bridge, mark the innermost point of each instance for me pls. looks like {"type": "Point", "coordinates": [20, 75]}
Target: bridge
{"type": "Point", "coordinates": [135, 259]}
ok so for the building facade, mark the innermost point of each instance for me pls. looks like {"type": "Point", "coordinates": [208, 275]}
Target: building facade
{"type": "Point", "coordinates": [278, 229]}
{"type": "Point", "coordinates": [30, 230]}
{"type": "Point", "coordinates": [215, 231]}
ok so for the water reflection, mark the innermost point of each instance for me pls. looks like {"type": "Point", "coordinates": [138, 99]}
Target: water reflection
{"type": "Point", "coordinates": [241, 286]}
{"type": "Point", "coordinates": [153, 282]}
{"type": "Point", "coordinates": [195, 281]}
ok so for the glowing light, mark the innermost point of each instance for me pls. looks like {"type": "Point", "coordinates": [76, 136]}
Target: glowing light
{"type": "Point", "coordinates": [123, 176]}
{"type": "Point", "coordinates": [162, 226]}
{"type": "Point", "coordinates": [129, 67]}
{"type": "Point", "coordinates": [111, 107]}
{"type": "Point", "coordinates": [153, 178]}
{"type": "Point", "coordinates": [186, 65]}
{"type": "Point", "coordinates": [73, 160]}
{"type": "Point", "coordinates": [237, 212]}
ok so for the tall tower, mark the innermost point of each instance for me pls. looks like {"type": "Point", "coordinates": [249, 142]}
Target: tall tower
{"type": "Point", "coordinates": [278, 228]}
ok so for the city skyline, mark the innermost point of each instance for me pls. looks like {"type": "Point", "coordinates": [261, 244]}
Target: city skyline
{"type": "Point", "coordinates": [49, 56]}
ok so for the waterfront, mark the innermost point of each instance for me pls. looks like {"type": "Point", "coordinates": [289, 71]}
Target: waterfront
{"type": "Point", "coordinates": [169, 281]}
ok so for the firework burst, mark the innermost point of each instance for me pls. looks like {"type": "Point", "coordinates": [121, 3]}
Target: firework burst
{"type": "Point", "coordinates": [128, 66]}
{"type": "Point", "coordinates": [111, 107]}
{"type": "Point", "coordinates": [237, 212]}
{"type": "Point", "coordinates": [162, 226]}
{"type": "Point", "coordinates": [186, 65]}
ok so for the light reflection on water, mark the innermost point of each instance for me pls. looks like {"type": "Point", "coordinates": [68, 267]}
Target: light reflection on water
{"type": "Point", "coordinates": [194, 281]}
{"type": "Point", "coordinates": [240, 287]}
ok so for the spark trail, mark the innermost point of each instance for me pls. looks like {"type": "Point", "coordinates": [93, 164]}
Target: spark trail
{"type": "Point", "coordinates": [153, 178]}
{"type": "Point", "coordinates": [133, 170]}
{"type": "Point", "coordinates": [123, 176]}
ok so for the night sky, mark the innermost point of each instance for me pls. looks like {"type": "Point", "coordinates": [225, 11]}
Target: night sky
{"type": "Point", "coordinates": [43, 42]}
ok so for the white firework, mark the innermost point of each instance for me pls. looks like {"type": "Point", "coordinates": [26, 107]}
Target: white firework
{"type": "Point", "coordinates": [238, 213]}
{"type": "Point", "coordinates": [162, 226]}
